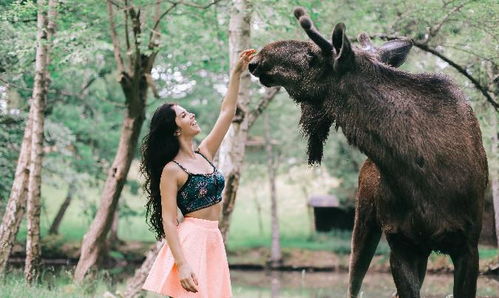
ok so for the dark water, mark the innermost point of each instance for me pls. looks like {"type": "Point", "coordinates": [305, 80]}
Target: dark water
{"type": "Point", "coordinates": [258, 284]}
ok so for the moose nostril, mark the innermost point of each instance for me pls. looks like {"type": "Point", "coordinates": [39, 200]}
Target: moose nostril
{"type": "Point", "coordinates": [252, 66]}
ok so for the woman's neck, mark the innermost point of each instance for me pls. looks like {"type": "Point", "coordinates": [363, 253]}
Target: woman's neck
{"type": "Point", "coordinates": [186, 148]}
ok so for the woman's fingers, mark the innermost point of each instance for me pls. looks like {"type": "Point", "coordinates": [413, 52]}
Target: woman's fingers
{"type": "Point", "coordinates": [192, 286]}
{"type": "Point", "coordinates": [247, 52]}
{"type": "Point", "coordinates": [189, 285]}
{"type": "Point", "coordinates": [194, 278]}
{"type": "Point", "coordinates": [243, 53]}
{"type": "Point", "coordinates": [184, 285]}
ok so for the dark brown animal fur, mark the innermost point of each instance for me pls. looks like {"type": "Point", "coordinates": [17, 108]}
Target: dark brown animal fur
{"type": "Point", "coordinates": [424, 182]}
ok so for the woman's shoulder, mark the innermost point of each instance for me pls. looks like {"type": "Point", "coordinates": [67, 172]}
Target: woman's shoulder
{"type": "Point", "coordinates": [171, 168]}
{"type": "Point", "coordinates": [205, 153]}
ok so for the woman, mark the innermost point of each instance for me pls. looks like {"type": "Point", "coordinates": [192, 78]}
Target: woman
{"type": "Point", "coordinates": [193, 262]}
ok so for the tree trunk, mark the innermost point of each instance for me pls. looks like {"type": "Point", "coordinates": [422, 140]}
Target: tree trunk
{"type": "Point", "coordinates": [272, 163]}
{"type": "Point", "coordinates": [232, 149]}
{"type": "Point", "coordinates": [135, 283]}
{"type": "Point", "coordinates": [113, 240]}
{"type": "Point", "coordinates": [94, 241]}
{"type": "Point", "coordinates": [494, 172]}
{"type": "Point", "coordinates": [46, 27]}
{"type": "Point", "coordinates": [134, 82]}
{"type": "Point", "coordinates": [17, 201]}
{"type": "Point", "coordinates": [54, 227]}
{"type": "Point", "coordinates": [258, 208]}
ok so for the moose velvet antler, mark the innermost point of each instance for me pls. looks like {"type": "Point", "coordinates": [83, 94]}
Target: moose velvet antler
{"type": "Point", "coordinates": [312, 32]}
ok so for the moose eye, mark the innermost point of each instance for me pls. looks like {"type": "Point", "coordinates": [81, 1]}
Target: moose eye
{"type": "Point", "coordinates": [311, 58]}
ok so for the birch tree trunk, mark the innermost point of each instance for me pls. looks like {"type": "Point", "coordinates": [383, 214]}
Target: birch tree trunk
{"type": "Point", "coordinates": [232, 149]}
{"type": "Point", "coordinates": [17, 200]}
{"type": "Point", "coordinates": [272, 165]}
{"type": "Point", "coordinates": [45, 27]}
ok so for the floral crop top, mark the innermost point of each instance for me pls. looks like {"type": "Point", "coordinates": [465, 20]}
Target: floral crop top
{"type": "Point", "coordinates": [200, 190]}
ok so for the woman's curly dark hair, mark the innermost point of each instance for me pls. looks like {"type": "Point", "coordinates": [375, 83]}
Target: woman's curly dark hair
{"type": "Point", "coordinates": [158, 148]}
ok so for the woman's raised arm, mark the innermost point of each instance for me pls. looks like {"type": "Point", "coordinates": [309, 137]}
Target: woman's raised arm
{"type": "Point", "coordinates": [209, 146]}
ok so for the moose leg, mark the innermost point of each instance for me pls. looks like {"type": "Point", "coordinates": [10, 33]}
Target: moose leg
{"type": "Point", "coordinates": [365, 239]}
{"type": "Point", "coordinates": [366, 230]}
{"type": "Point", "coordinates": [422, 269]}
{"type": "Point", "coordinates": [465, 273]}
{"type": "Point", "coordinates": [408, 266]}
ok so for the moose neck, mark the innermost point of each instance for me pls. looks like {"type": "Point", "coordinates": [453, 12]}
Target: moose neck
{"type": "Point", "coordinates": [372, 112]}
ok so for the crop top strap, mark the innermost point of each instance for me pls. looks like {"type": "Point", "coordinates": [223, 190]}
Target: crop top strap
{"type": "Point", "coordinates": [178, 164]}
{"type": "Point", "coordinates": [198, 152]}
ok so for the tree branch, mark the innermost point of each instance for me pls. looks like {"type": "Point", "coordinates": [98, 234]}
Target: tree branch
{"type": "Point", "coordinates": [462, 49]}
{"type": "Point", "coordinates": [114, 38]}
{"type": "Point", "coordinates": [115, 4]}
{"type": "Point", "coordinates": [154, 33]}
{"type": "Point", "coordinates": [195, 5]}
{"type": "Point", "coordinates": [267, 97]}
{"type": "Point", "coordinates": [135, 15]}
{"type": "Point", "coordinates": [127, 35]}
{"type": "Point", "coordinates": [435, 29]}
{"type": "Point", "coordinates": [13, 20]}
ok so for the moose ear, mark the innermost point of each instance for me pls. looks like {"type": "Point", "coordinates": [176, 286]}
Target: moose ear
{"type": "Point", "coordinates": [394, 52]}
{"type": "Point", "coordinates": [344, 56]}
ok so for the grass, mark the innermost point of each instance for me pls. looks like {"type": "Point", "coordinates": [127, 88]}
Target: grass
{"type": "Point", "coordinates": [54, 284]}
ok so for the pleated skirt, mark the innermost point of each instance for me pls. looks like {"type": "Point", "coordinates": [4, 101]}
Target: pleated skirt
{"type": "Point", "coordinates": [203, 247]}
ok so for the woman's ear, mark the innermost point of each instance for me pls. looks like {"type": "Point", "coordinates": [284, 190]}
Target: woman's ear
{"type": "Point", "coordinates": [344, 56]}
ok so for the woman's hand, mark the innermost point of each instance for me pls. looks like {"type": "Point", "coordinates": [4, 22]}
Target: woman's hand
{"type": "Point", "coordinates": [244, 60]}
{"type": "Point", "coordinates": [188, 279]}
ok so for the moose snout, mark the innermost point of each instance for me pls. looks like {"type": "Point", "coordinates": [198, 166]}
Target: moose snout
{"type": "Point", "coordinates": [252, 66]}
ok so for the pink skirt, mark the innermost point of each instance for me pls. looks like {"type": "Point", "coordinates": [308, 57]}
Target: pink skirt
{"type": "Point", "coordinates": [203, 248]}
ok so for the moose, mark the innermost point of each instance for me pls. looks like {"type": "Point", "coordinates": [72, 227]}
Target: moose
{"type": "Point", "coordinates": [424, 180]}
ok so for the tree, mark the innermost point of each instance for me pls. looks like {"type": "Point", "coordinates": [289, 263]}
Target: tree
{"type": "Point", "coordinates": [273, 165]}
{"type": "Point", "coordinates": [17, 200]}
{"type": "Point", "coordinates": [232, 148]}
{"type": "Point", "coordinates": [494, 175]}
{"type": "Point", "coordinates": [46, 28]}
{"type": "Point", "coordinates": [54, 227]}
{"type": "Point", "coordinates": [135, 79]}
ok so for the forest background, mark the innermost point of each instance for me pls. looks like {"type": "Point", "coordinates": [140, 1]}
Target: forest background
{"type": "Point", "coordinates": [85, 105]}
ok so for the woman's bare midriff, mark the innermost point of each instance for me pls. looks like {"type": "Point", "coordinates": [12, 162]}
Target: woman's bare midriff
{"type": "Point", "coordinates": [208, 213]}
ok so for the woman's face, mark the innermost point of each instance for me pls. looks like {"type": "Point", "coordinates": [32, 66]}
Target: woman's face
{"type": "Point", "coordinates": [186, 121]}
